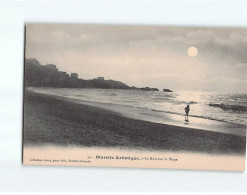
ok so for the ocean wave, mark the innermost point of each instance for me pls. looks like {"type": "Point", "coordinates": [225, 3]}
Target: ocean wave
{"type": "Point", "coordinates": [184, 102]}
{"type": "Point", "coordinates": [110, 94]}
{"type": "Point", "coordinates": [208, 106]}
{"type": "Point", "coordinates": [192, 102]}
{"type": "Point", "coordinates": [79, 95]}
{"type": "Point", "coordinates": [162, 98]}
{"type": "Point", "coordinates": [238, 108]}
{"type": "Point", "coordinates": [198, 116]}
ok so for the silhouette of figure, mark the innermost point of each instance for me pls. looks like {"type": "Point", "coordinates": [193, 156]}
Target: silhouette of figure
{"type": "Point", "coordinates": [187, 110]}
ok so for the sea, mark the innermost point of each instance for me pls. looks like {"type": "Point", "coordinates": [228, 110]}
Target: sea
{"type": "Point", "coordinates": [230, 108]}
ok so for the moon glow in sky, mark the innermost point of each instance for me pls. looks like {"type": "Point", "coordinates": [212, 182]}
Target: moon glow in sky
{"type": "Point", "coordinates": [192, 51]}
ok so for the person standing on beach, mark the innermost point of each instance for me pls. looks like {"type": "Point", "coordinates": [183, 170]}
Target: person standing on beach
{"type": "Point", "coordinates": [187, 110]}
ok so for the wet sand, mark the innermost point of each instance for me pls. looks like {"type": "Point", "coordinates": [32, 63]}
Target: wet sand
{"type": "Point", "coordinates": [52, 120]}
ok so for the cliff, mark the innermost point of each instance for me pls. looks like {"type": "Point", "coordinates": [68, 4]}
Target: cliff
{"type": "Point", "coordinates": [37, 75]}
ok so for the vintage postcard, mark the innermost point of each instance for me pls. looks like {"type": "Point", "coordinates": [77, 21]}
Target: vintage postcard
{"type": "Point", "coordinates": [135, 96]}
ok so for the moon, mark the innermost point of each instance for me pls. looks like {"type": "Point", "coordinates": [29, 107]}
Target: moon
{"type": "Point", "coordinates": [192, 51]}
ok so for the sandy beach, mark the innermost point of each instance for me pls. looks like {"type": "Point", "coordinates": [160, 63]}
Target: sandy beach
{"type": "Point", "coordinates": [52, 120]}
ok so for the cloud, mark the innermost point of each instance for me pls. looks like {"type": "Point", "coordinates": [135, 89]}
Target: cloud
{"type": "Point", "coordinates": [145, 55]}
{"type": "Point", "coordinates": [58, 36]}
{"type": "Point", "coordinates": [85, 37]}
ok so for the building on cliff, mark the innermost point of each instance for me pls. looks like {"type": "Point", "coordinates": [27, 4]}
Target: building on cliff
{"type": "Point", "coordinates": [52, 67]}
{"type": "Point", "coordinates": [101, 78]}
{"type": "Point", "coordinates": [74, 75]}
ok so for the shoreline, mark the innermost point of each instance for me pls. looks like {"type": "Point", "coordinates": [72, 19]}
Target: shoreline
{"type": "Point", "coordinates": [51, 120]}
{"type": "Point", "coordinates": [161, 117]}
{"type": "Point", "coordinates": [167, 118]}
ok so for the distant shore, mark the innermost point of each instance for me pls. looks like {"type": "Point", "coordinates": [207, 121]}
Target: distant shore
{"type": "Point", "coordinates": [51, 120]}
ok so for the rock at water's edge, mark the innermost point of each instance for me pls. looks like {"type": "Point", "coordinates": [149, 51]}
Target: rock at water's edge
{"type": "Point", "coordinates": [167, 90]}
